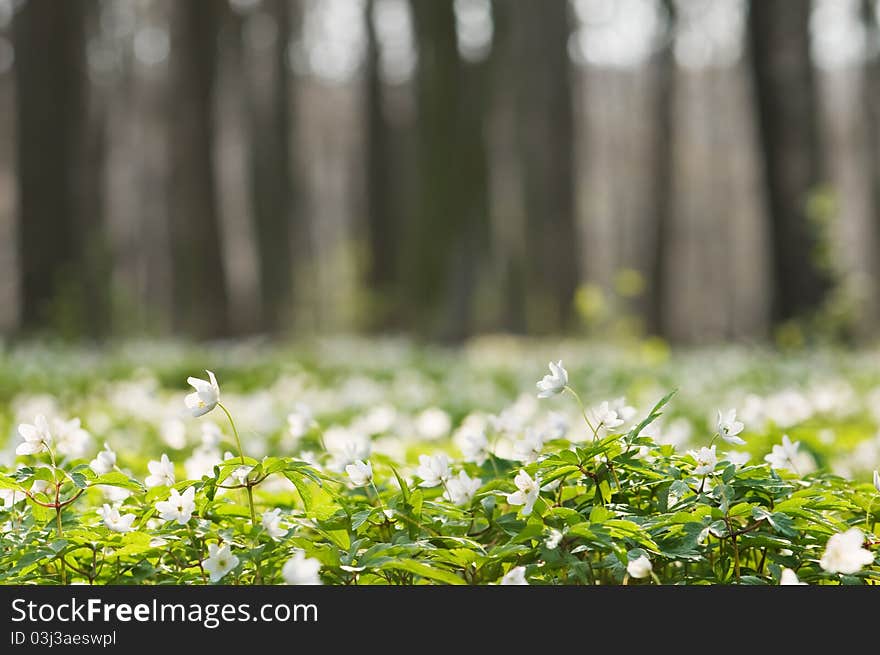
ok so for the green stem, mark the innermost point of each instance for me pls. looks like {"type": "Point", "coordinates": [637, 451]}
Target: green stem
{"type": "Point", "coordinates": [583, 410]}
{"type": "Point", "coordinates": [234, 431]}
{"type": "Point", "coordinates": [60, 531]}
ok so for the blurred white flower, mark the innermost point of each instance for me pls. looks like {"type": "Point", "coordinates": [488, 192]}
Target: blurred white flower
{"type": "Point", "coordinates": [114, 521]}
{"type": "Point", "coordinates": [272, 524]}
{"type": "Point", "coordinates": [639, 567]}
{"type": "Point", "coordinates": [474, 445]}
{"type": "Point", "coordinates": [528, 449]}
{"type": "Point", "coordinates": [526, 493]}
{"type": "Point", "coordinates": [161, 473]}
{"type": "Point", "coordinates": [515, 576]}
{"type": "Point", "coordinates": [301, 570]}
{"type": "Point", "coordinates": [554, 382]}
{"type": "Point", "coordinates": [706, 460]}
{"type": "Point", "coordinates": [345, 446]}
{"type": "Point", "coordinates": [104, 461]}
{"type": "Point", "coordinates": [789, 577]}
{"type": "Point", "coordinates": [212, 435]}
{"type": "Point", "coordinates": [553, 539]}
{"type": "Point", "coordinates": [737, 458]}
{"type": "Point", "coordinates": [556, 426]}
{"type": "Point", "coordinates": [70, 438]}
{"type": "Point", "coordinates": [179, 507]}
{"type": "Point", "coordinates": [433, 469]}
{"type": "Point", "coordinates": [728, 427]}
{"type": "Point", "coordinates": [877, 480]}
{"type": "Point", "coordinates": [460, 490]}
{"type": "Point", "coordinates": [605, 417]}
{"type": "Point", "coordinates": [37, 437]}
{"type": "Point", "coordinates": [201, 462]}
{"type": "Point", "coordinates": [360, 473]}
{"type": "Point", "coordinates": [206, 395]}
{"type": "Point", "coordinates": [220, 561]}
{"type": "Point", "coordinates": [844, 553]}
{"type": "Point", "coordinates": [173, 433]}
{"type": "Point", "coordinates": [433, 423]}
{"type": "Point", "coordinates": [299, 422]}
{"type": "Point", "coordinates": [783, 456]}
{"type": "Point", "coordinates": [10, 497]}
{"type": "Point", "coordinates": [624, 411]}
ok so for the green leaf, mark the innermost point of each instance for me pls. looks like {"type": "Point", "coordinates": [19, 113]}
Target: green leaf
{"type": "Point", "coordinates": [423, 570]}
{"type": "Point", "coordinates": [118, 479]}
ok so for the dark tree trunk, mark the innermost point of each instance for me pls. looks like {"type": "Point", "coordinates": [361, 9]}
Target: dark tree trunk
{"type": "Point", "coordinates": [200, 294]}
{"type": "Point", "coordinates": [785, 93]}
{"type": "Point", "coordinates": [662, 169]}
{"type": "Point", "coordinates": [446, 235]}
{"type": "Point", "coordinates": [64, 260]}
{"type": "Point", "coordinates": [382, 218]}
{"type": "Point", "coordinates": [871, 108]}
{"type": "Point", "coordinates": [272, 175]}
{"type": "Point", "coordinates": [546, 140]}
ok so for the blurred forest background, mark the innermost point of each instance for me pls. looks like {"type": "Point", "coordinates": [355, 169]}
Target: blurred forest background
{"type": "Point", "coordinates": [698, 170]}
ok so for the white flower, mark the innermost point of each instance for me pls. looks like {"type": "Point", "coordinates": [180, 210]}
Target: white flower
{"type": "Point", "coordinates": [113, 494]}
{"type": "Point", "coordinates": [301, 570]}
{"type": "Point", "coordinates": [346, 446]}
{"type": "Point", "coordinates": [554, 382]}
{"type": "Point", "coordinates": [844, 553]}
{"type": "Point", "coordinates": [220, 561]}
{"type": "Point", "coordinates": [104, 461]}
{"type": "Point", "coordinates": [178, 507]}
{"type": "Point", "coordinates": [114, 521]}
{"type": "Point", "coordinates": [433, 470]}
{"type": "Point", "coordinates": [706, 460]}
{"type": "Point", "coordinates": [433, 423]}
{"type": "Point", "coordinates": [474, 446]}
{"type": "Point", "coordinates": [37, 437]}
{"type": "Point", "coordinates": [877, 480]}
{"type": "Point", "coordinates": [201, 462]}
{"type": "Point", "coordinates": [784, 456]}
{"type": "Point", "coordinates": [515, 576]}
{"type": "Point", "coordinates": [360, 473]}
{"type": "Point", "coordinates": [605, 417]}
{"type": "Point", "coordinates": [461, 490]}
{"type": "Point", "coordinates": [173, 433]}
{"type": "Point", "coordinates": [70, 439]}
{"type": "Point", "coordinates": [737, 458]}
{"type": "Point", "coordinates": [728, 427]}
{"type": "Point", "coordinates": [553, 539]}
{"type": "Point", "coordinates": [789, 577]}
{"type": "Point", "coordinates": [272, 524]}
{"type": "Point", "coordinates": [300, 421]}
{"type": "Point", "coordinates": [10, 497]}
{"type": "Point", "coordinates": [624, 411]}
{"type": "Point", "coordinates": [206, 396]}
{"type": "Point", "coordinates": [528, 449]}
{"type": "Point", "coordinates": [526, 494]}
{"type": "Point", "coordinates": [161, 473]}
{"type": "Point", "coordinates": [639, 567]}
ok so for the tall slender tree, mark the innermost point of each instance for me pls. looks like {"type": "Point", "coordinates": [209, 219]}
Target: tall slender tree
{"type": "Point", "coordinates": [63, 257]}
{"type": "Point", "coordinates": [546, 133]}
{"type": "Point", "coordinates": [784, 88]}
{"type": "Point", "coordinates": [870, 90]}
{"type": "Point", "coordinates": [382, 216]}
{"type": "Point", "coordinates": [663, 166]}
{"type": "Point", "coordinates": [270, 93]}
{"type": "Point", "coordinates": [200, 293]}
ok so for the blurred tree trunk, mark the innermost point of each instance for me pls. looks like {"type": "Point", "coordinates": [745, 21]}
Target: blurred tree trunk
{"type": "Point", "coordinates": [546, 142]}
{"type": "Point", "coordinates": [447, 233]}
{"type": "Point", "coordinates": [785, 93]}
{"type": "Point", "coordinates": [63, 255]}
{"type": "Point", "coordinates": [271, 168]}
{"type": "Point", "coordinates": [662, 174]}
{"type": "Point", "coordinates": [871, 108]}
{"type": "Point", "coordinates": [382, 217]}
{"type": "Point", "coordinates": [200, 295]}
